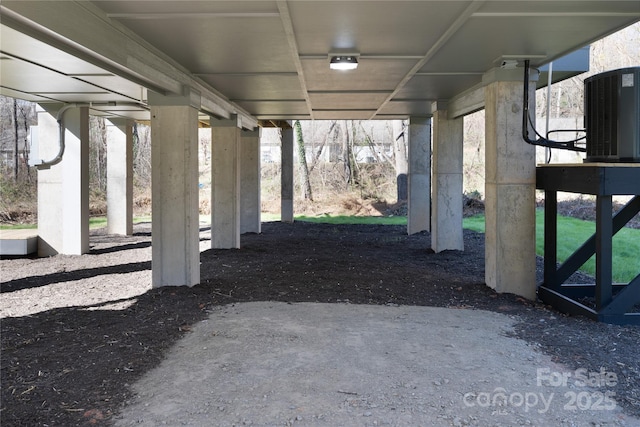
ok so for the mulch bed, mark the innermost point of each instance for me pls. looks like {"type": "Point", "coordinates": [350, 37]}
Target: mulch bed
{"type": "Point", "coordinates": [73, 366]}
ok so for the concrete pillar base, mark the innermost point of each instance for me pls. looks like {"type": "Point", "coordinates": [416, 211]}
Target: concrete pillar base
{"type": "Point", "coordinates": [63, 189]}
{"type": "Point", "coordinates": [174, 176]}
{"type": "Point", "coordinates": [419, 177]}
{"type": "Point", "coordinates": [446, 198]}
{"type": "Point", "coordinates": [286, 188]}
{"type": "Point", "coordinates": [510, 256]}
{"type": "Point", "coordinates": [510, 239]}
{"type": "Point", "coordinates": [225, 184]}
{"type": "Point", "coordinates": [250, 182]}
{"type": "Point", "coordinates": [120, 177]}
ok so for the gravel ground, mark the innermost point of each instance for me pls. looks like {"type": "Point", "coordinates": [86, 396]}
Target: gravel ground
{"type": "Point", "coordinates": [83, 336]}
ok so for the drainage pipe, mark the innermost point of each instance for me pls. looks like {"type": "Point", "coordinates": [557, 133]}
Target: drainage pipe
{"type": "Point", "coordinates": [46, 164]}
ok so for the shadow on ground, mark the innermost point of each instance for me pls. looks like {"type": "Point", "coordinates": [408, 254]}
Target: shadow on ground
{"type": "Point", "coordinates": [74, 366]}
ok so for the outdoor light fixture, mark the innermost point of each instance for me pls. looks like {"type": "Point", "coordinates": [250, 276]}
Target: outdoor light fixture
{"type": "Point", "coordinates": [343, 62]}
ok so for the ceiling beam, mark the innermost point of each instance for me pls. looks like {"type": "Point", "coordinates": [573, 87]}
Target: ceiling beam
{"type": "Point", "coordinates": [602, 14]}
{"type": "Point", "coordinates": [468, 102]}
{"type": "Point", "coordinates": [193, 15]}
{"type": "Point", "coordinates": [287, 25]}
{"type": "Point", "coordinates": [107, 44]}
{"type": "Point", "coordinates": [439, 44]}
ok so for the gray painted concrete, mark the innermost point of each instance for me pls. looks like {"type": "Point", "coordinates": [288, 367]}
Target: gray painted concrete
{"type": "Point", "coordinates": [225, 184]}
{"type": "Point", "coordinates": [510, 256]}
{"type": "Point", "coordinates": [120, 177]}
{"type": "Point", "coordinates": [250, 181]}
{"type": "Point", "coordinates": [286, 189]}
{"type": "Point", "coordinates": [174, 155]}
{"type": "Point", "coordinates": [446, 198]}
{"type": "Point", "coordinates": [18, 242]}
{"type": "Point", "coordinates": [419, 179]}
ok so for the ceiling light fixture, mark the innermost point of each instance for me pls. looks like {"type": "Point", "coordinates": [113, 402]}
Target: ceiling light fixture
{"type": "Point", "coordinates": [343, 62]}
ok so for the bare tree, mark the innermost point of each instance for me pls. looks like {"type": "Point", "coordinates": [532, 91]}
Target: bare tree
{"type": "Point", "coordinates": [98, 153]}
{"type": "Point", "coordinates": [401, 159]}
{"type": "Point", "coordinates": [302, 160]}
{"type": "Point", "coordinates": [16, 152]}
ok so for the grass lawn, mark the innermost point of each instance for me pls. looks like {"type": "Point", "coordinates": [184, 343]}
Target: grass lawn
{"type": "Point", "coordinates": [574, 232]}
{"type": "Point", "coordinates": [94, 222]}
{"type": "Point", "coordinates": [343, 219]}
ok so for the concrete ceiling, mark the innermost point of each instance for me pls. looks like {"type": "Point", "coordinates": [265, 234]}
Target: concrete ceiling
{"type": "Point", "coordinates": [269, 60]}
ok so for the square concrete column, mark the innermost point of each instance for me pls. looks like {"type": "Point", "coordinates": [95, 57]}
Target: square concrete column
{"type": "Point", "coordinates": [225, 184]}
{"type": "Point", "coordinates": [250, 181]}
{"type": "Point", "coordinates": [446, 188]}
{"type": "Point", "coordinates": [286, 176]}
{"type": "Point", "coordinates": [419, 176]}
{"type": "Point", "coordinates": [510, 253]}
{"type": "Point", "coordinates": [120, 177]}
{"type": "Point", "coordinates": [174, 190]}
{"type": "Point", "coordinates": [63, 189]}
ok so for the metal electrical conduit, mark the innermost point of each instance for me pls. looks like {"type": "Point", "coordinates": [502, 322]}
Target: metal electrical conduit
{"type": "Point", "coordinates": [46, 164]}
{"type": "Point", "coordinates": [526, 119]}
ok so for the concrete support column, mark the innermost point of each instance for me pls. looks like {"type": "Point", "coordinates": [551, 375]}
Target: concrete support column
{"type": "Point", "coordinates": [225, 184]}
{"type": "Point", "coordinates": [174, 177]}
{"type": "Point", "coordinates": [120, 177]}
{"type": "Point", "coordinates": [419, 176]}
{"type": "Point", "coordinates": [510, 254]}
{"type": "Point", "coordinates": [63, 190]}
{"type": "Point", "coordinates": [250, 181]}
{"type": "Point", "coordinates": [286, 176]}
{"type": "Point", "coordinates": [446, 193]}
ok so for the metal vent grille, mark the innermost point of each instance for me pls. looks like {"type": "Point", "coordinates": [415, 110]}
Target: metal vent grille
{"type": "Point", "coordinates": [601, 118]}
{"type": "Point", "coordinates": [612, 116]}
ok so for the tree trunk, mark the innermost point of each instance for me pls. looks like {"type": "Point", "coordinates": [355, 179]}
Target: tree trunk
{"type": "Point", "coordinates": [346, 155]}
{"type": "Point", "coordinates": [302, 159]}
{"type": "Point", "coordinates": [355, 169]}
{"type": "Point", "coordinates": [324, 142]}
{"type": "Point", "coordinates": [26, 148]}
{"type": "Point", "coordinates": [401, 160]}
{"type": "Point", "coordinates": [15, 151]}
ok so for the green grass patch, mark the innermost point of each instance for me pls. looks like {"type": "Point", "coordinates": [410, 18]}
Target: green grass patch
{"type": "Point", "coordinates": [352, 220]}
{"type": "Point", "coordinates": [475, 223]}
{"type": "Point", "coordinates": [94, 222]}
{"type": "Point", "coordinates": [269, 217]}
{"type": "Point", "coordinates": [574, 232]}
{"type": "Point", "coordinates": [18, 226]}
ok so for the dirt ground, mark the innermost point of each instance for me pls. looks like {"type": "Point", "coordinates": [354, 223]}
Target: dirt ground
{"type": "Point", "coordinates": [79, 332]}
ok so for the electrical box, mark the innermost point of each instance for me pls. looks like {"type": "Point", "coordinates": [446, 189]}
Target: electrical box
{"type": "Point", "coordinates": [612, 116]}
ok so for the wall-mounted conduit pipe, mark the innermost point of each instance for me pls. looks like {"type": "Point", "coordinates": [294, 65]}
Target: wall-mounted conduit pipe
{"type": "Point", "coordinates": [46, 164]}
{"type": "Point", "coordinates": [526, 120]}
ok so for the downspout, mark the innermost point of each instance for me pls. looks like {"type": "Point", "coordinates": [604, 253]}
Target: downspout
{"type": "Point", "coordinates": [46, 164]}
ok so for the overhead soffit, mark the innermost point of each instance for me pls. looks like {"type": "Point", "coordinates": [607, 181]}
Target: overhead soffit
{"type": "Point", "coordinates": [271, 58]}
{"type": "Point", "coordinates": [32, 70]}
